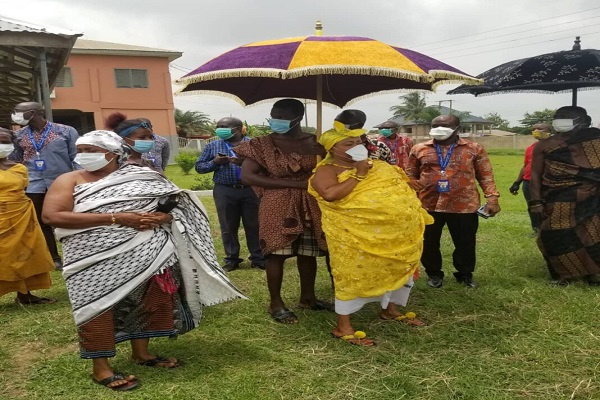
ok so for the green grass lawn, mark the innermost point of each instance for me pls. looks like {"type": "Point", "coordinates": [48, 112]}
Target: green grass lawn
{"type": "Point", "coordinates": [515, 337]}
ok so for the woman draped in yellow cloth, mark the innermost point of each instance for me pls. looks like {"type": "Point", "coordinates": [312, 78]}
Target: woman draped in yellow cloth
{"type": "Point", "coordinates": [26, 262]}
{"type": "Point", "coordinates": [374, 225]}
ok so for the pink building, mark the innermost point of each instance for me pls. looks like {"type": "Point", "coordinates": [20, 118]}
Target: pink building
{"type": "Point", "coordinates": [101, 78]}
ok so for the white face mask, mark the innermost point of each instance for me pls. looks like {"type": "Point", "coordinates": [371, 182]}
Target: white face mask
{"type": "Point", "coordinates": [91, 161]}
{"type": "Point", "coordinates": [17, 118]}
{"type": "Point", "coordinates": [358, 153]}
{"type": "Point", "coordinates": [6, 149]}
{"type": "Point", "coordinates": [563, 125]}
{"type": "Point", "coordinates": [441, 133]}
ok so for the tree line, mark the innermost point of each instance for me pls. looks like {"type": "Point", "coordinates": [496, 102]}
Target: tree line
{"type": "Point", "coordinates": [414, 108]}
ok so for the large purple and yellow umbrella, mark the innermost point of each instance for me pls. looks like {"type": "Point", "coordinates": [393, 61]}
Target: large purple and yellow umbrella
{"type": "Point", "coordinates": [331, 69]}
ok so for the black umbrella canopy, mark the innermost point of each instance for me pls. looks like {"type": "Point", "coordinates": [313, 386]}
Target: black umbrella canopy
{"type": "Point", "coordinates": [547, 73]}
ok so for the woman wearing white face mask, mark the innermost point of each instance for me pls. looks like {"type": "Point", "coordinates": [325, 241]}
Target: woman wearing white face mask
{"type": "Point", "coordinates": [26, 261]}
{"type": "Point", "coordinates": [135, 267]}
{"type": "Point", "coordinates": [374, 225]}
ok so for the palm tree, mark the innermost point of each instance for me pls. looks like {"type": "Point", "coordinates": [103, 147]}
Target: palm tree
{"type": "Point", "coordinates": [412, 107]}
{"type": "Point", "coordinates": [191, 122]}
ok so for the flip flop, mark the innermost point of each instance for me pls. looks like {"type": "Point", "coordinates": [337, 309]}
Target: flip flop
{"type": "Point", "coordinates": [284, 316]}
{"type": "Point", "coordinates": [358, 338]}
{"type": "Point", "coordinates": [410, 318]}
{"type": "Point", "coordinates": [318, 305]}
{"type": "Point", "coordinates": [159, 360]}
{"type": "Point", "coordinates": [39, 300]}
{"type": "Point", "coordinates": [131, 384]}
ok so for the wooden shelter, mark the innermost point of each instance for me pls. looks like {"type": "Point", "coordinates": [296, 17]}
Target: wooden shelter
{"type": "Point", "coordinates": [31, 57]}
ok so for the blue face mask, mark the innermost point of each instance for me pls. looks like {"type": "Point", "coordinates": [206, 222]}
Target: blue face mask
{"type": "Point", "coordinates": [143, 146]}
{"type": "Point", "coordinates": [224, 133]}
{"type": "Point", "coordinates": [280, 125]}
{"type": "Point", "coordinates": [386, 132]}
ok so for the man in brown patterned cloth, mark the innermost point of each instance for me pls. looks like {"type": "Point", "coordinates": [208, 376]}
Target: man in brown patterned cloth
{"type": "Point", "coordinates": [565, 193]}
{"type": "Point", "coordinates": [278, 167]}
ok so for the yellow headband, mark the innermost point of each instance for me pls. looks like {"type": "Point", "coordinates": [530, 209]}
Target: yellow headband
{"type": "Point", "coordinates": [339, 132]}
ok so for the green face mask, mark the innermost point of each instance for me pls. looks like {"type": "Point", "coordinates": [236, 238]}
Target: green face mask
{"type": "Point", "coordinates": [386, 132]}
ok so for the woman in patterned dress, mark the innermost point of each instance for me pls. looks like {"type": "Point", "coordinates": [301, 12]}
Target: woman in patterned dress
{"type": "Point", "coordinates": [135, 266]}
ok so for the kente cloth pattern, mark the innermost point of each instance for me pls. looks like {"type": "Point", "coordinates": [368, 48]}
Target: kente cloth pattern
{"type": "Point", "coordinates": [375, 234]}
{"type": "Point", "coordinates": [469, 164]}
{"type": "Point", "coordinates": [569, 235]}
{"type": "Point", "coordinates": [283, 213]}
{"type": "Point", "coordinates": [103, 265]}
{"type": "Point", "coordinates": [399, 149]}
{"type": "Point", "coordinates": [25, 260]}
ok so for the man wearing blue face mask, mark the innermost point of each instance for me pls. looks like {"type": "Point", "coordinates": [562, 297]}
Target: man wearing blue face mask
{"type": "Point", "coordinates": [565, 194]}
{"type": "Point", "coordinates": [234, 201]}
{"type": "Point", "coordinates": [398, 144]}
{"type": "Point", "coordinates": [47, 149]}
{"type": "Point", "coordinates": [278, 166]}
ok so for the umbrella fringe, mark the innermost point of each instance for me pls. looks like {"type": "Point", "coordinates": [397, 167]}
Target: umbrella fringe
{"type": "Point", "coordinates": [329, 70]}
{"type": "Point", "coordinates": [538, 91]}
{"type": "Point", "coordinates": [240, 102]}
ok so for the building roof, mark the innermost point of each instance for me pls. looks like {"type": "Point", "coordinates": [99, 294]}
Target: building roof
{"type": "Point", "coordinates": [23, 46]}
{"type": "Point", "coordinates": [14, 25]}
{"type": "Point", "coordinates": [470, 119]}
{"type": "Point", "coordinates": [85, 46]}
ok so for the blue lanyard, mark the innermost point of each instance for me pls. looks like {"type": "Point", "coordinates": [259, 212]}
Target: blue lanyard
{"type": "Point", "coordinates": [238, 171]}
{"type": "Point", "coordinates": [444, 162]}
{"type": "Point", "coordinates": [229, 149]}
{"type": "Point", "coordinates": [38, 146]}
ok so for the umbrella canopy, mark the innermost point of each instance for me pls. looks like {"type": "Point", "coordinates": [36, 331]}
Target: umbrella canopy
{"type": "Point", "coordinates": [562, 71]}
{"type": "Point", "coordinates": [338, 68]}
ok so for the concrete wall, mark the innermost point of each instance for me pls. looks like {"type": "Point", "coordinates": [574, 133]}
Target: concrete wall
{"type": "Point", "coordinates": [94, 90]}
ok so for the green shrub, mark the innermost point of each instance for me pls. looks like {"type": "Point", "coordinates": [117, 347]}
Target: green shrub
{"type": "Point", "coordinates": [203, 182]}
{"type": "Point", "coordinates": [186, 160]}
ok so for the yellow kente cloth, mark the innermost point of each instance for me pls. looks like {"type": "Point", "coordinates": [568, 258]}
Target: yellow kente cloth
{"type": "Point", "coordinates": [375, 234]}
{"type": "Point", "coordinates": [26, 261]}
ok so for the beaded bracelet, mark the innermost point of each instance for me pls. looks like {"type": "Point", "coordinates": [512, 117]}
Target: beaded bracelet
{"type": "Point", "coordinates": [357, 177]}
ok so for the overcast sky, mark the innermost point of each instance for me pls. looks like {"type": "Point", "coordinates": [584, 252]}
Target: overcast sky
{"type": "Point", "coordinates": [472, 35]}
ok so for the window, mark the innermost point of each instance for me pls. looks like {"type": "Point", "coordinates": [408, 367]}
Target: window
{"type": "Point", "coordinates": [131, 78]}
{"type": "Point", "coordinates": [407, 129]}
{"type": "Point", "coordinates": [64, 78]}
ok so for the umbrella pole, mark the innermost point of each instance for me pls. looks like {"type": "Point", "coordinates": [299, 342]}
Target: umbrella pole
{"type": "Point", "coordinates": [319, 105]}
{"type": "Point", "coordinates": [574, 102]}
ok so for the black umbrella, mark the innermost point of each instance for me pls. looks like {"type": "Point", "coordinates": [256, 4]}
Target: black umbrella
{"type": "Point", "coordinates": [561, 71]}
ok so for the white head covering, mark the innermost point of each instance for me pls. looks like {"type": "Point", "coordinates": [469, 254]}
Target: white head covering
{"type": "Point", "coordinates": [104, 139]}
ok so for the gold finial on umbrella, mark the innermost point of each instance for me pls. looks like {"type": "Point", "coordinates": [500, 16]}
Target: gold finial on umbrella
{"type": "Point", "coordinates": [319, 29]}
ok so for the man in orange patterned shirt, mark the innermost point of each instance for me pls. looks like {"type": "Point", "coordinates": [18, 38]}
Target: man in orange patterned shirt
{"type": "Point", "coordinates": [444, 171]}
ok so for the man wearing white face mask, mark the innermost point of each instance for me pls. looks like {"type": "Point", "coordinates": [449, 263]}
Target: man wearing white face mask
{"type": "Point", "coordinates": [47, 149]}
{"type": "Point", "coordinates": [565, 194]}
{"type": "Point", "coordinates": [446, 171]}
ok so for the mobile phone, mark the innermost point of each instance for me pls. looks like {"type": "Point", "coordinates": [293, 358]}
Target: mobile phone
{"type": "Point", "coordinates": [221, 154]}
{"type": "Point", "coordinates": [481, 212]}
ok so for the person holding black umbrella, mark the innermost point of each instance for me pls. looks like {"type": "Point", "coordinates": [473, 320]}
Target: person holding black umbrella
{"type": "Point", "coordinates": [565, 194]}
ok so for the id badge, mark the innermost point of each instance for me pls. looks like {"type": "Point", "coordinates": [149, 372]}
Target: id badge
{"type": "Point", "coordinates": [39, 165]}
{"type": "Point", "coordinates": [443, 186]}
